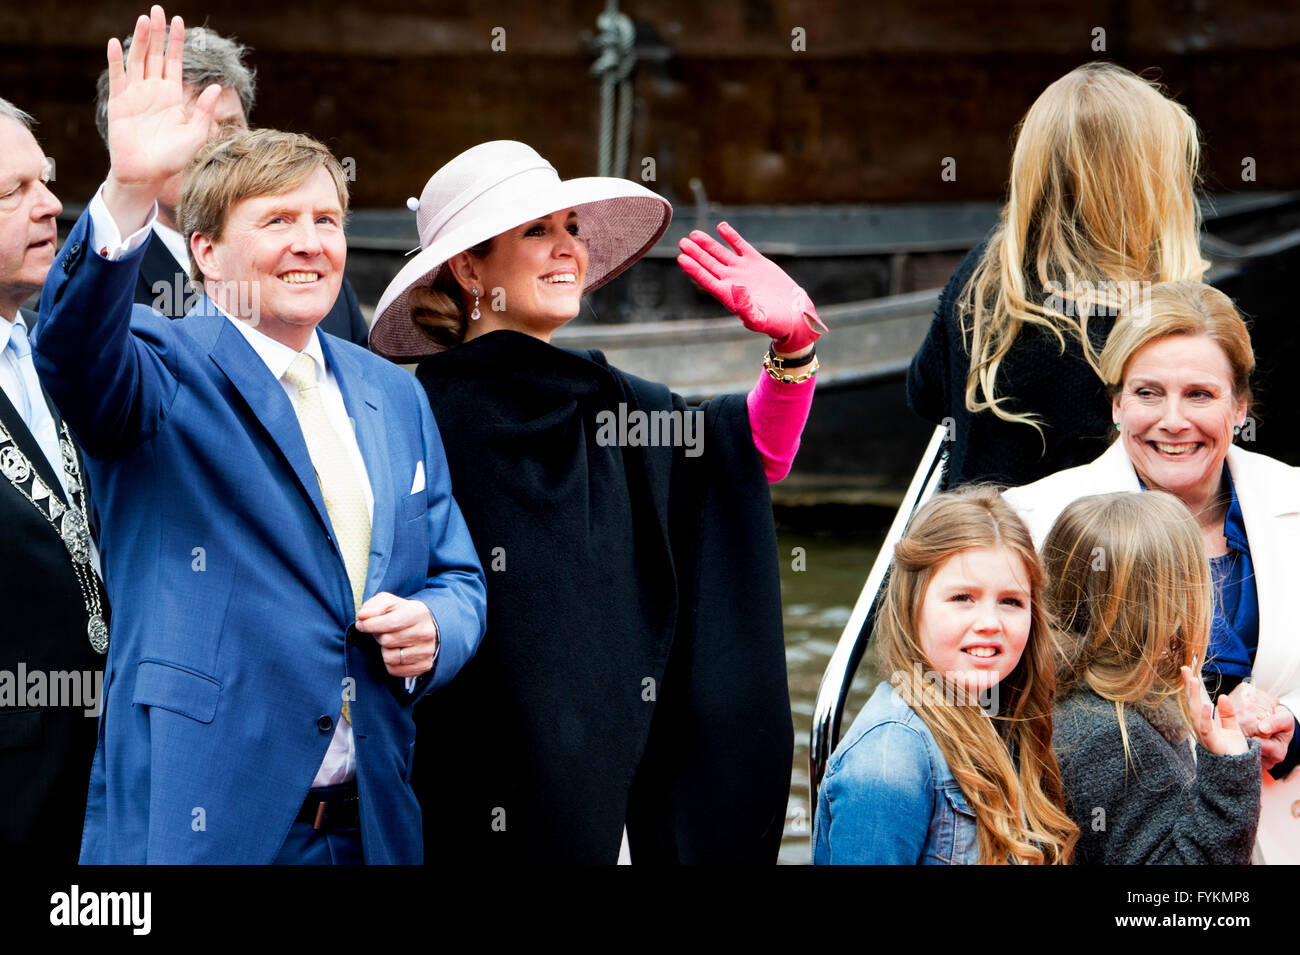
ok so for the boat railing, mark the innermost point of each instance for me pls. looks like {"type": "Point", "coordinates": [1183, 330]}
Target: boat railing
{"type": "Point", "coordinates": [838, 678]}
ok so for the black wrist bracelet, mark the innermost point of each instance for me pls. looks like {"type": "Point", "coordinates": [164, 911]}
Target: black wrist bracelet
{"type": "Point", "coordinates": [786, 364]}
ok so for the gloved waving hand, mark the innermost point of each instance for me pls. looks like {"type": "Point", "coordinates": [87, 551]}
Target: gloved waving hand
{"type": "Point", "coordinates": [753, 287]}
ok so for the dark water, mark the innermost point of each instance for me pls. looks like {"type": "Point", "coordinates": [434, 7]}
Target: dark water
{"type": "Point", "coordinates": [818, 600]}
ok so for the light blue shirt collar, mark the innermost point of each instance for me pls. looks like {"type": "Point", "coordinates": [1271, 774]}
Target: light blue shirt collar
{"type": "Point", "coordinates": [7, 330]}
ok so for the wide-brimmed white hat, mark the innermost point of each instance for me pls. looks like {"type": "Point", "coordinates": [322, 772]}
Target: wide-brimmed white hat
{"type": "Point", "coordinates": [497, 186]}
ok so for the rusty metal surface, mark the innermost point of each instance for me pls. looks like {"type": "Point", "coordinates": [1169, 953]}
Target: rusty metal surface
{"type": "Point", "coordinates": [864, 110]}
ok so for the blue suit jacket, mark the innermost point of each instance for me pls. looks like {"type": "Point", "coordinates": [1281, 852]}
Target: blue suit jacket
{"type": "Point", "coordinates": [231, 651]}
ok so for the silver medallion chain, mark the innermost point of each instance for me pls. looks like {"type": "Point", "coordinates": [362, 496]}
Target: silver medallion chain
{"type": "Point", "coordinates": [68, 520]}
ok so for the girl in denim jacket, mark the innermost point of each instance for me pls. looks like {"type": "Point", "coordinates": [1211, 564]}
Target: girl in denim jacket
{"type": "Point", "coordinates": [950, 762]}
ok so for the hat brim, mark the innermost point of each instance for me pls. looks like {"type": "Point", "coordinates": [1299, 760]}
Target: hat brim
{"type": "Point", "coordinates": [619, 220]}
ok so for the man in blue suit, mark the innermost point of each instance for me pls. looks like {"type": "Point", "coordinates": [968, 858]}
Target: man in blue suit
{"type": "Point", "coordinates": [288, 569]}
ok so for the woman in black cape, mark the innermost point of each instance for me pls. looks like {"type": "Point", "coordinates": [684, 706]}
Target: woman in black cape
{"type": "Point", "coordinates": [630, 693]}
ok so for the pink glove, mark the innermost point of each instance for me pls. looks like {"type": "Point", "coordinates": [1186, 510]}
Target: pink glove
{"type": "Point", "coordinates": [753, 287]}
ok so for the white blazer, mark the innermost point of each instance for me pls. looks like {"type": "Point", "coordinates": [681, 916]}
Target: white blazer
{"type": "Point", "coordinates": [1269, 494]}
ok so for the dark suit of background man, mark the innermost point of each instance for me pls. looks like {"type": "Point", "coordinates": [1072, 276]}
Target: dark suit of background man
{"type": "Point", "coordinates": [46, 744]}
{"type": "Point", "coordinates": [164, 282]}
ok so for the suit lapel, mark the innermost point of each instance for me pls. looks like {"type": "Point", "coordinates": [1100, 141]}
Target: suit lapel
{"type": "Point", "coordinates": [266, 399]}
{"type": "Point", "coordinates": [1269, 494]}
{"type": "Point", "coordinates": [1270, 487]}
{"type": "Point", "coordinates": [1115, 473]}
{"type": "Point", "coordinates": [364, 404]}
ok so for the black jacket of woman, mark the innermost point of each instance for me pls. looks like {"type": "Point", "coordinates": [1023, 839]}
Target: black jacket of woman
{"type": "Point", "coordinates": [1061, 388]}
{"type": "Point", "coordinates": [633, 669]}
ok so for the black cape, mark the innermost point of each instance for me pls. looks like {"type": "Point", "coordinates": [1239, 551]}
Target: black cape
{"type": "Point", "coordinates": [1062, 389]}
{"type": "Point", "coordinates": [633, 669]}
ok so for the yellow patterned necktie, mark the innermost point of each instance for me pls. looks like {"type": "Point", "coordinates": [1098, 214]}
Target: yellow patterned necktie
{"type": "Point", "coordinates": [345, 498]}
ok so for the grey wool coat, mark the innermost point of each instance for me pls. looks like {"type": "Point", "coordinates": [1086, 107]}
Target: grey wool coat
{"type": "Point", "coordinates": [1157, 806]}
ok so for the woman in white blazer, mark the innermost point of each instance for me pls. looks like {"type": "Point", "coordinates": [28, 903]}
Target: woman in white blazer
{"type": "Point", "coordinates": [1178, 368]}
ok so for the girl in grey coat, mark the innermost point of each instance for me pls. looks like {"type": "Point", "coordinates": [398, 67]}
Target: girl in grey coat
{"type": "Point", "coordinates": [1150, 774]}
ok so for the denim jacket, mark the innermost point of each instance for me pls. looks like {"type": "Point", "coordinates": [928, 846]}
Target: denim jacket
{"type": "Point", "coordinates": [888, 797]}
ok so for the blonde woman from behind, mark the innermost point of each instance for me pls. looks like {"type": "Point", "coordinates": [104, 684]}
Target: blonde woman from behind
{"type": "Point", "coordinates": [1101, 203]}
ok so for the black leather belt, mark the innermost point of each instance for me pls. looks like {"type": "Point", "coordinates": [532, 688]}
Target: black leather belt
{"type": "Point", "coordinates": [332, 807]}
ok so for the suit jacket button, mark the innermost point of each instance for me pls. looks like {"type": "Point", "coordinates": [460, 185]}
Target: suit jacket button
{"type": "Point", "coordinates": [325, 724]}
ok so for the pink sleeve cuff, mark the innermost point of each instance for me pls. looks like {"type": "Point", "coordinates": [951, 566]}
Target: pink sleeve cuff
{"type": "Point", "coordinates": [777, 413]}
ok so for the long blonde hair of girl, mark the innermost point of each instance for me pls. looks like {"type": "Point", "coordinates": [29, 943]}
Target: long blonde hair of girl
{"type": "Point", "coordinates": [1019, 812]}
{"type": "Point", "coordinates": [1130, 593]}
{"type": "Point", "coordinates": [1102, 192]}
